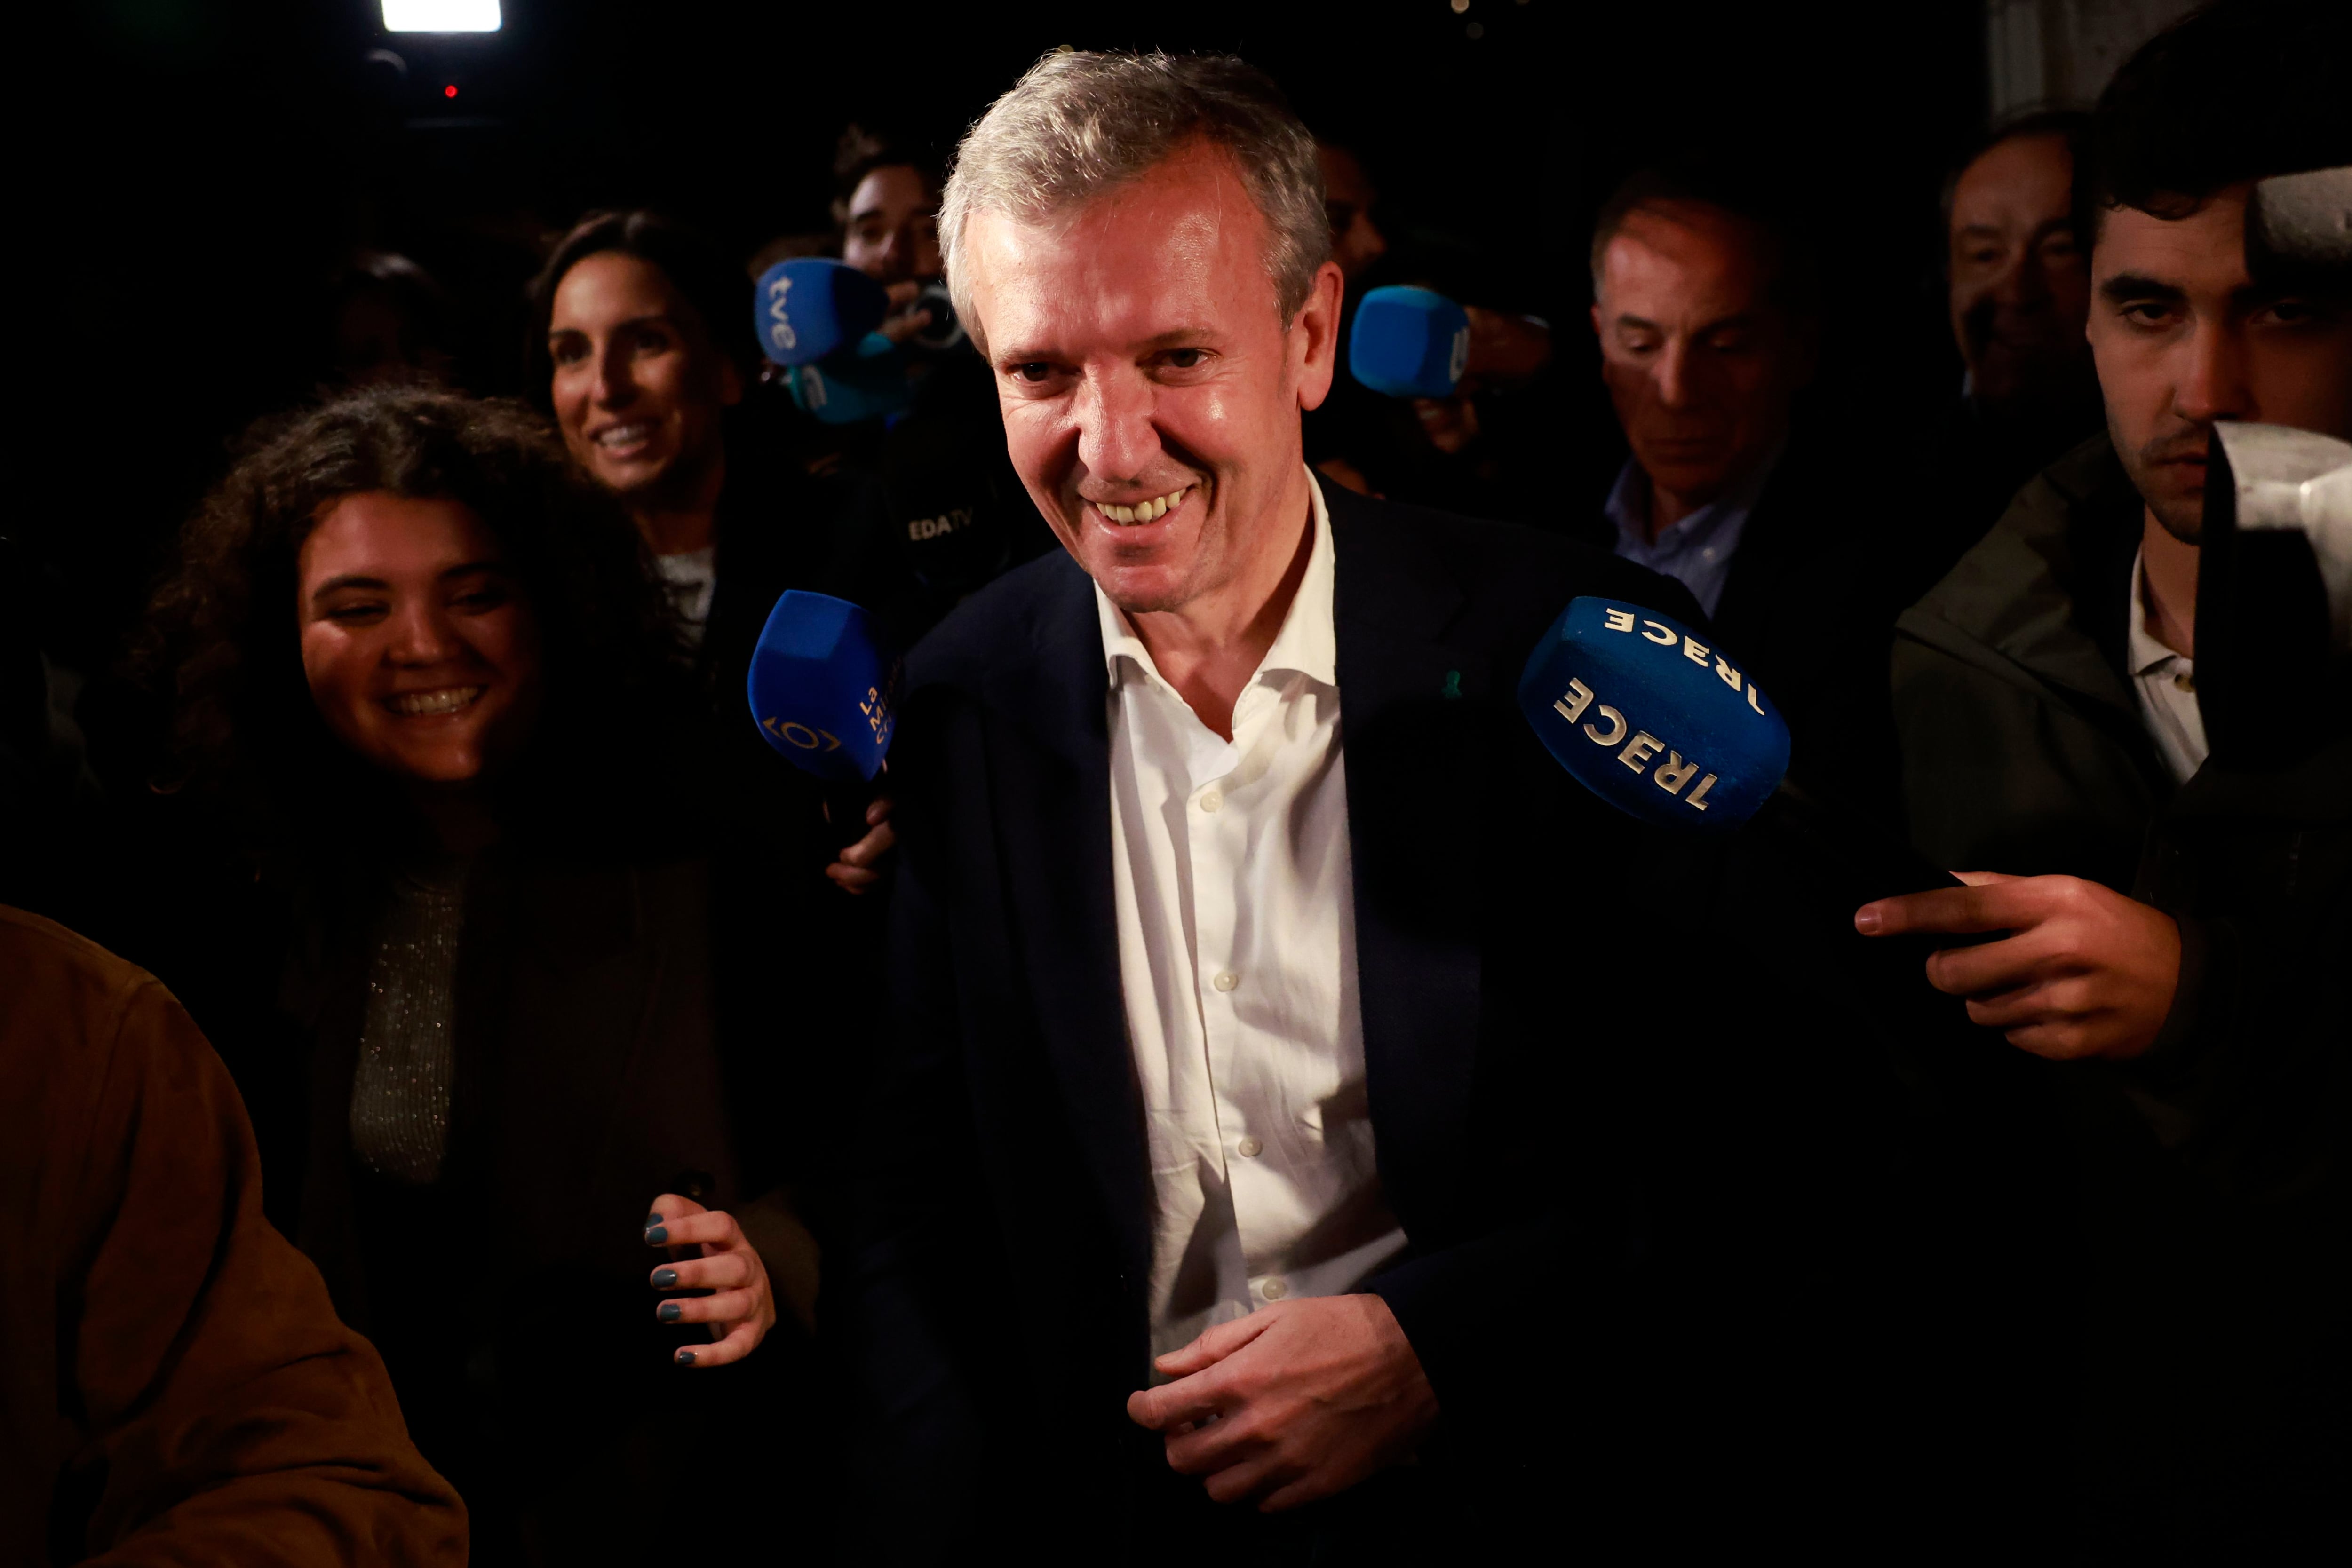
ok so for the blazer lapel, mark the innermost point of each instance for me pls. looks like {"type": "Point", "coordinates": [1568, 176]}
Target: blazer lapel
{"type": "Point", "coordinates": [1049, 779]}
{"type": "Point", "coordinates": [1410, 710]}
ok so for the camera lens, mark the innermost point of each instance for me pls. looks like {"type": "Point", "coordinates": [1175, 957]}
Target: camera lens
{"type": "Point", "coordinates": [945, 331]}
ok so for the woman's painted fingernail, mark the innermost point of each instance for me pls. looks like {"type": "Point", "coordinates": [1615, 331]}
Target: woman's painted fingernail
{"type": "Point", "coordinates": [656, 1235]}
{"type": "Point", "coordinates": [653, 1219]}
{"type": "Point", "coordinates": [671, 1312]}
{"type": "Point", "coordinates": [664, 1278]}
{"type": "Point", "coordinates": [686, 1358]}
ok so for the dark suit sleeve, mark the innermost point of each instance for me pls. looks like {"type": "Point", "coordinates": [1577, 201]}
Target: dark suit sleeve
{"type": "Point", "coordinates": [919, 1451]}
{"type": "Point", "coordinates": [1477, 1316]}
{"type": "Point", "coordinates": [1551, 887]}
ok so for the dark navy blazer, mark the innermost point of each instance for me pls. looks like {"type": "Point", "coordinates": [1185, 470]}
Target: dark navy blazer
{"type": "Point", "coordinates": [996, 1292]}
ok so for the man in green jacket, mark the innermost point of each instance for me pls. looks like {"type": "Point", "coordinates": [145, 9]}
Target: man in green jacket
{"type": "Point", "coordinates": [2045, 692]}
{"type": "Point", "coordinates": [2023, 746]}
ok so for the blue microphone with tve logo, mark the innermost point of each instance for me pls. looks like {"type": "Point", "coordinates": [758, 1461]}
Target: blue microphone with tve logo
{"type": "Point", "coordinates": [825, 693]}
{"type": "Point", "coordinates": [815, 319]}
{"type": "Point", "coordinates": [809, 308]}
{"type": "Point", "coordinates": [1667, 726]}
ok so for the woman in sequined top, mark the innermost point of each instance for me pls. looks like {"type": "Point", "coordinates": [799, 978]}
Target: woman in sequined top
{"type": "Point", "coordinates": [464, 757]}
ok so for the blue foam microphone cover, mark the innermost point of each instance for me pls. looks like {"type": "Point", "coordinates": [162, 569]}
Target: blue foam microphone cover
{"type": "Point", "coordinates": [811, 307]}
{"type": "Point", "coordinates": [824, 690]}
{"type": "Point", "coordinates": [1653, 718]}
{"type": "Point", "coordinates": [1409, 343]}
{"type": "Point", "coordinates": [868, 381]}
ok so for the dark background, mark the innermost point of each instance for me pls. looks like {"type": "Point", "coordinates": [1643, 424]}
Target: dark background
{"type": "Point", "coordinates": [217, 160]}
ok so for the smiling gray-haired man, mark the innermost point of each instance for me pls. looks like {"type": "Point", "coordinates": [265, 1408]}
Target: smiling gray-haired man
{"type": "Point", "coordinates": [1222, 1162]}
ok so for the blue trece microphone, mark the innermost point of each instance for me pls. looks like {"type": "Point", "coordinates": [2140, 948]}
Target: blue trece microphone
{"type": "Point", "coordinates": [1668, 727]}
{"type": "Point", "coordinates": [1409, 343]}
{"type": "Point", "coordinates": [825, 693]}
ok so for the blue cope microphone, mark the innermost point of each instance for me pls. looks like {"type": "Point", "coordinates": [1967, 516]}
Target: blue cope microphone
{"type": "Point", "coordinates": [1667, 726]}
{"type": "Point", "coordinates": [1409, 343]}
{"type": "Point", "coordinates": [825, 693]}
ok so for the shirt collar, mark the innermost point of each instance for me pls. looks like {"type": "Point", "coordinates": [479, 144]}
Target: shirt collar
{"type": "Point", "coordinates": [1307, 643]}
{"type": "Point", "coordinates": [1628, 506]}
{"type": "Point", "coordinates": [2143, 652]}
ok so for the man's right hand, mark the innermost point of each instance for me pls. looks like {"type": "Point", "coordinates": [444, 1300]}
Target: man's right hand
{"type": "Point", "coordinates": [2083, 971]}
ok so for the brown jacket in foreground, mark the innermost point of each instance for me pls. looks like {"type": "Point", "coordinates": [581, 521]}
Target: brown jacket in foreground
{"type": "Point", "coordinates": [173, 1386]}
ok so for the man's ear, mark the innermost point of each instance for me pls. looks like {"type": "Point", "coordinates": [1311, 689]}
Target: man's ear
{"type": "Point", "coordinates": [730, 382]}
{"type": "Point", "coordinates": [1315, 336]}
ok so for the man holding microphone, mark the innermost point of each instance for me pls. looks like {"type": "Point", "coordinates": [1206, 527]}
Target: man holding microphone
{"type": "Point", "coordinates": [1230, 1183]}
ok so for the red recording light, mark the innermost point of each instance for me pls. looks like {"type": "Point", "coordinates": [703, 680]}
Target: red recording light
{"type": "Point", "coordinates": [449, 91]}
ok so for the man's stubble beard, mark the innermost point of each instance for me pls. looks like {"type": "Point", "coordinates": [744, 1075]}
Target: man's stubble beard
{"type": "Point", "coordinates": [2185, 522]}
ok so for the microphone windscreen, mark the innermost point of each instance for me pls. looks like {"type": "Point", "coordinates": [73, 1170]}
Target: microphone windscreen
{"type": "Point", "coordinates": [810, 306]}
{"type": "Point", "coordinates": [869, 382]}
{"type": "Point", "coordinates": [1653, 718]}
{"type": "Point", "coordinates": [823, 691]}
{"type": "Point", "coordinates": [1409, 343]}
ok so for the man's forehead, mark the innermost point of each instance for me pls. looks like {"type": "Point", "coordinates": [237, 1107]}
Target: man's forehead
{"type": "Point", "coordinates": [2202, 248]}
{"type": "Point", "coordinates": [2023, 170]}
{"type": "Point", "coordinates": [1181, 247]}
{"type": "Point", "coordinates": [893, 185]}
{"type": "Point", "coordinates": [1685, 252]}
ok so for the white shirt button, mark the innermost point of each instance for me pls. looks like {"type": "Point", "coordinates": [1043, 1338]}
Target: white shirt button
{"type": "Point", "coordinates": [1212, 799]}
{"type": "Point", "coordinates": [1249, 1147]}
{"type": "Point", "coordinates": [1273, 1290]}
{"type": "Point", "coordinates": [1226, 980]}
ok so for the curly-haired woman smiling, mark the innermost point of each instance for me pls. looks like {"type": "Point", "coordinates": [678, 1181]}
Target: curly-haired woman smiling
{"type": "Point", "coordinates": [424, 661]}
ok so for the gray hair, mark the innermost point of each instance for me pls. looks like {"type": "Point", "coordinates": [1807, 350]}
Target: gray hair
{"type": "Point", "coordinates": [1080, 123]}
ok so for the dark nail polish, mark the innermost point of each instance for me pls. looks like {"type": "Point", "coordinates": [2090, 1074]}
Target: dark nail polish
{"type": "Point", "coordinates": [664, 1278]}
{"type": "Point", "coordinates": [656, 1235]}
{"type": "Point", "coordinates": [653, 1219]}
{"type": "Point", "coordinates": [686, 1358]}
{"type": "Point", "coordinates": [671, 1312]}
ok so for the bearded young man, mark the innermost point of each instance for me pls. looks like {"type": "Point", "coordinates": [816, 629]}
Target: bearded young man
{"type": "Point", "coordinates": [1230, 1157]}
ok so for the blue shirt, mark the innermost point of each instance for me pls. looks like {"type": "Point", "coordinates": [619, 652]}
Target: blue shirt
{"type": "Point", "coordinates": [1696, 550]}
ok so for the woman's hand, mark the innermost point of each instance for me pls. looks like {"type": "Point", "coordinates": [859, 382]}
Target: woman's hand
{"type": "Point", "coordinates": [707, 1252]}
{"type": "Point", "coordinates": [858, 867]}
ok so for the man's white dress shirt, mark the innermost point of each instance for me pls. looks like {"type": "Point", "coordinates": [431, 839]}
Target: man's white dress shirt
{"type": "Point", "coordinates": [1237, 960]}
{"type": "Point", "coordinates": [2166, 682]}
